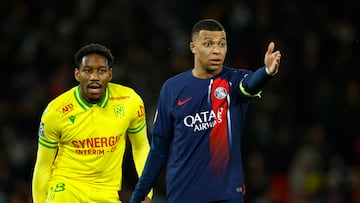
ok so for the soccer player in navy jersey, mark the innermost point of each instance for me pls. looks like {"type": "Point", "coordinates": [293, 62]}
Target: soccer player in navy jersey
{"type": "Point", "coordinates": [199, 123]}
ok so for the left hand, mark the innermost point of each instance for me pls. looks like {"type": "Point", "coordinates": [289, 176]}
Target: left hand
{"type": "Point", "coordinates": [272, 59]}
{"type": "Point", "coordinates": [146, 200]}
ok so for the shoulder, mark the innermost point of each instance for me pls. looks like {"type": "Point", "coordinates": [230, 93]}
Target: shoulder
{"type": "Point", "coordinates": [122, 91]}
{"type": "Point", "coordinates": [119, 89]}
{"type": "Point", "coordinates": [59, 104]}
{"type": "Point", "coordinates": [178, 79]}
{"type": "Point", "coordinates": [239, 71]}
{"type": "Point", "coordinates": [63, 99]}
{"type": "Point", "coordinates": [234, 74]}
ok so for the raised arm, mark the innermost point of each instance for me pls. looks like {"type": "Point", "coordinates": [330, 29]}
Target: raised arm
{"type": "Point", "coordinates": [252, 84]}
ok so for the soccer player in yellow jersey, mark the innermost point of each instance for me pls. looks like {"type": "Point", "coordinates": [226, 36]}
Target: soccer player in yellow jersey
{"type": "Point", "coordinates": [83, 132]}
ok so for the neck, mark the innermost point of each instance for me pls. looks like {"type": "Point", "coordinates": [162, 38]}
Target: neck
{"type": "Point", "coordinates": [204, 73]}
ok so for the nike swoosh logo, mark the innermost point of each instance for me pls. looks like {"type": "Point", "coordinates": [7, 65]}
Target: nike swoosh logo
{"type": "Point", "coordinates": [181, 102]}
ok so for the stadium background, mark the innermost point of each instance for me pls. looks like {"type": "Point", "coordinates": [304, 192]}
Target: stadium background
{"type": "Point", "coordinates": [302, 139]}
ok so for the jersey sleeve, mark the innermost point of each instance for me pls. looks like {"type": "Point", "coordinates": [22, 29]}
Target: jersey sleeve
{"type": "Point", "coordinates": [49, 130]}
{"type": "Point", "coordinates": [138, 121]}
{"type": "Point", "coordinates": [47, 149]}
{"type": "Point", "coordinates": [137, 134]}
{"type": "Point", "coordinates": [253, 82]}
{"type": "Point", "coordinates": [159, 149]}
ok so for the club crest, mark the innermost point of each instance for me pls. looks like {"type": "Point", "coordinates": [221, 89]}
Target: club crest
{"type": "Point", "coordinates": [220, 93]}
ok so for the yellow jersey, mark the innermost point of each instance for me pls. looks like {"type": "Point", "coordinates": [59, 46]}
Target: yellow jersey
{"type": "Point", "coordinates": [90, 139]}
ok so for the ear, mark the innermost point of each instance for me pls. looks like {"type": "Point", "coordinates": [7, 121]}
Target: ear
{"type": "Point", "coordinates": [77, 74]}
{"type": "Point", "coordinates": [192, 47]}
{"type": "Point", "coordinates": [110, 75]}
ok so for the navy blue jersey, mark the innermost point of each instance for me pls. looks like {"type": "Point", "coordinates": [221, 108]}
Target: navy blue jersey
{"type": "Point", "coordinates": [197, 129]}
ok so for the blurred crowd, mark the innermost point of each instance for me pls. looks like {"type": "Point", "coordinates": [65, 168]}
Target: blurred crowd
{"type": "Point", "coordinates": [302, 142]}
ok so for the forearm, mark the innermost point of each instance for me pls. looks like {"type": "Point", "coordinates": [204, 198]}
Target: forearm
{"type": "Point", "coordinates": [251, 85]}
{"type": "Point", "coordinates": [40, 181]}
{"type": "Point", "coordinates": [42, 173]}
{"type": "Point", "coordinates": [140, 149]}
{"type": "Point", "coordinates": [154, 163]}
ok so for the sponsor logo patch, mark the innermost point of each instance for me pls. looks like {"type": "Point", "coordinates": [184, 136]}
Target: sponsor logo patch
{"type": "Point", "coordinates": [119, 111]}
{"type": "Point", "coordinates": [41, 130]}
{"type": "Point", "coordinates": [72, 119]}
{"type": "Point", "coordinates": [182, 102]}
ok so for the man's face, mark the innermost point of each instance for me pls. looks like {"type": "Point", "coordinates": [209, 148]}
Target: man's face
{"type": "Point", "coordinates": [93, 75]}
{"type": "Point", "coordinates": [209, 49]}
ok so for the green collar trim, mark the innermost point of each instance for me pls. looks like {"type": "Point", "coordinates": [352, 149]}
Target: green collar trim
{"type": "Point", "coordinates": [86, 105]}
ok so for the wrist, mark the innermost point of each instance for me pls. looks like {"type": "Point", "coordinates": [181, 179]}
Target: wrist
{"type": "Point", "coordinates": [269, 73]}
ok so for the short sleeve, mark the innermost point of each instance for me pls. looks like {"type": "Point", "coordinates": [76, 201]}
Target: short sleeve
{"type": "Point", "coordinates": [49, 132]}
{"type": "Point", "coordinates": [138, 121]}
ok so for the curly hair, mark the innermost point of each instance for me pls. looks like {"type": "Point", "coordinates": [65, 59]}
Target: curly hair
{"type": "Point", "coordinates": [93, 48]}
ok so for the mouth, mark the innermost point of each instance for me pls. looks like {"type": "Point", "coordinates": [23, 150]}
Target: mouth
{"type": "Point", "coordinates": [216, 62]}
{"type": "Point", "coordinates": [94, 88]}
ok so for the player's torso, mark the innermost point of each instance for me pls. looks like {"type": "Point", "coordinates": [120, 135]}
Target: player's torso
{"type": "Point", "coordinates": [94, 131]}
{"type": "Point", "coordinates": [93, 137]}
{"type": "Point", "coordinates": [202, 109]}
{"type": "Point", "coordinates": [199, 105]}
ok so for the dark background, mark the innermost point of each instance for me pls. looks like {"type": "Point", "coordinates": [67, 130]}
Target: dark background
{"type": "Point", "coordinates": [302, 139]}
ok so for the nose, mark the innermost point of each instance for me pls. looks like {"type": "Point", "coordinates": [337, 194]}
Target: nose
{"type": "Point", "coordinates": [94, 75]}
{"type": "Point", "coordinates": [216, 49]}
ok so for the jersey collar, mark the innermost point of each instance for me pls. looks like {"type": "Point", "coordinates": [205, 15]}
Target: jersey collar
{"type": "Point", "coordinates": [86, 105]}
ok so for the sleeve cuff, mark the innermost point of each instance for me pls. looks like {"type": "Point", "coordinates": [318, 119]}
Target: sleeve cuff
{"type": "Point", "coordinates": [268, 72]}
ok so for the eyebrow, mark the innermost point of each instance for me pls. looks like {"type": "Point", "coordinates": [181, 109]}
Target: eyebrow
{"type": "Point", "coordinates": [87, 66]}
{"type": "Point", "coordinates": [209, 38]}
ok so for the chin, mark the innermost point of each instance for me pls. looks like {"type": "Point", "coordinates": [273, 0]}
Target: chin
{"type": "Point", "coordinates": [214, 67]}
{"type": "Point", "coordinates": [94, 100]}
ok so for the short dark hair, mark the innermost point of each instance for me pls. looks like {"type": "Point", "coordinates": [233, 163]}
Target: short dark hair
{"type": "Point", "coordinates": [206, 24]}
{"type": "Point", "coordinates": [93, 48]}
